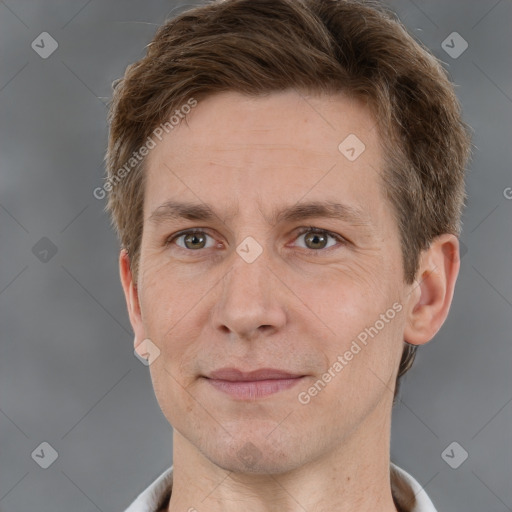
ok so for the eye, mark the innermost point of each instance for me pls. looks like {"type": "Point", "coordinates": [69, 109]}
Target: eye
{"type": "Point", "coordinates": [192, 239]}
{"type": "Point", "coordinates": [316, 239]}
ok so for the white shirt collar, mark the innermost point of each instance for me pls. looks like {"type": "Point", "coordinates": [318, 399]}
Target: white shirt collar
{"type": "Point", "coordinates": [406, 490]}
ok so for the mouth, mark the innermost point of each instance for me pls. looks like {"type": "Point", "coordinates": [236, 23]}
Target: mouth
{"type": "Point", "coordinates": [252, 385]}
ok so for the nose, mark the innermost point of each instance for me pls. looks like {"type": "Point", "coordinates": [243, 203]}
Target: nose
{"type": "Point", "coordinates": [251, 300]}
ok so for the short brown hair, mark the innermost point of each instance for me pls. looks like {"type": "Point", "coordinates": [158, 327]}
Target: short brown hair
{"type": "Point", "coordinates": [257, 47]}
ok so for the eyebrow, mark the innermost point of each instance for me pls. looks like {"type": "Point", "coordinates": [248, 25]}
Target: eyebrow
{"type": "Point", "coordinates": [175, 210]}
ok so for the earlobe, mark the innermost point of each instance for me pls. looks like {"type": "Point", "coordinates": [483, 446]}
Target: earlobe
{"type": "Point", "coordinates": [431, 295]}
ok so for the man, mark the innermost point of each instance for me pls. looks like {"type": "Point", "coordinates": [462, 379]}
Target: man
{"type": "Point", "coordinates": [287, 180]}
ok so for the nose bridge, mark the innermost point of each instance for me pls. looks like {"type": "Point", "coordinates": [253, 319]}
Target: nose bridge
{"type": "Point", "coordinates": [248, 278]}
{"type": "Point", "coordinates": [247, 299]}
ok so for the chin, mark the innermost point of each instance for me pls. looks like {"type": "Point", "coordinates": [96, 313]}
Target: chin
{"type": "Point", "coordinates": [256, 454]}
{"type": "Point", "coordinates": [266, 465]}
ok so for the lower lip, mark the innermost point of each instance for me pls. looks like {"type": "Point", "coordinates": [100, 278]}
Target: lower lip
{"type": "Point", "coordinates": [253, 389]}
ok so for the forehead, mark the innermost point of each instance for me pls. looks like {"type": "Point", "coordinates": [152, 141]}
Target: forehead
{"type": "Point", "coordinates": [282, 148]}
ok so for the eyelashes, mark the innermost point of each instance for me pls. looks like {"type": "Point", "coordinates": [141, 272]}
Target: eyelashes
{"type": "Point", "coordinates": [301, 231]}
{"type": "Point", "coordinates": [318, 231]}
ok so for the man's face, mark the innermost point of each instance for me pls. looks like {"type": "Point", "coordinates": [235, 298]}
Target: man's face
{"type": "Point", "coordinates": [214, 301]}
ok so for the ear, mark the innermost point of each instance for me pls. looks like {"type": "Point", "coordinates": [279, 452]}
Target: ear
{"type": "Point", "coordinates": [431, 294]}
{"type": "Point", "coordinates": [132, 297]}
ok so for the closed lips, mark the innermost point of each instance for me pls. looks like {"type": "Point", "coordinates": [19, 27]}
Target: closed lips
{"type": "Point", "coordinates": [236, 375]}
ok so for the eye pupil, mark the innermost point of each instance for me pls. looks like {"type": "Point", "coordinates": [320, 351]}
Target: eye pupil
{"type": "Point", "coordinates": [311, 237]}
{"type": "Point", "coordinates": [193, 237]}
{"type": "Point", "coordinates": [314, 239]}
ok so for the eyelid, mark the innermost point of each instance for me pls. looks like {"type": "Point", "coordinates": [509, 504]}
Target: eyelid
{"type": "Point", "coordinates": [313, 229]}
{"type": "Point", "coordinates": [299, 231]}
{"type": "Point", "coordinates": [170, 239]}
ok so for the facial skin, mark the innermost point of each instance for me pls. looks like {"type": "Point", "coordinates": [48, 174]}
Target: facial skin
{"type": "Point", "coordinates": [297, 307]}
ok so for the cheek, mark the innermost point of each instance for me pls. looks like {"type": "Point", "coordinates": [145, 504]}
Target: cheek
{"type": "Point", "coordinates": [167, 296]}
{"type": "Point", "coordinates": [347, 298]}
{"type": "Point", "coordinates": [166, 314]}
{"type": "Point", "coordinates": [175, 403]}
{"type": "Point", "coordinates": [363, 318]}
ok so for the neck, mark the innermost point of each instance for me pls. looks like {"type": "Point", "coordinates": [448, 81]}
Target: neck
{"type": "Point", "coordinates": [353, 475]}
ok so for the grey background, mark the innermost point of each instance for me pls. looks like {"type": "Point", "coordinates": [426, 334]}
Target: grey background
{"type": "Point", "coordinates": [68, 375]}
